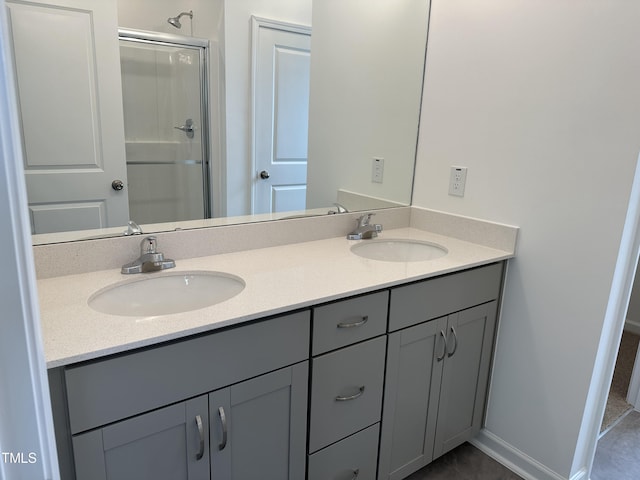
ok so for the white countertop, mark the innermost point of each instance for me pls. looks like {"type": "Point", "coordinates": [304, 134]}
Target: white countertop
{"type": "Point", "coordinates": [278, 279]}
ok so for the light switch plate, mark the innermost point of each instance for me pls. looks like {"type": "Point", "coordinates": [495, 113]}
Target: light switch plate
{"type": "Point", "coordinates": [377, 169]}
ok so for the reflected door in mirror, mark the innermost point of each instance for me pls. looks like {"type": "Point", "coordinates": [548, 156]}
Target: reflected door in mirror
{"type": "Point", "coordinates": [281, 116]}
{"type": "Point", "coordinates": [70, 101]}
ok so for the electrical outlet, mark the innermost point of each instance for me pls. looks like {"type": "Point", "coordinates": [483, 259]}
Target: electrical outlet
{"type": "Point", "coordinates": [457, 181]}
{"type": "Point", "coordinates": [377, 169]}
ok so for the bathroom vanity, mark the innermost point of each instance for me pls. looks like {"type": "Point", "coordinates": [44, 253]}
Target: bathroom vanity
{"type": "Point", "coordinates": [369, 381]}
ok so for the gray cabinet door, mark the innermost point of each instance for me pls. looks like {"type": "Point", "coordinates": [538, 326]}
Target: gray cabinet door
{"type": "Point", "coordinates": [435, 388]}
{"type": "Point", "coordinates": [465, 376]}
{"type": "Point", "coordinates": [259, 427]}
{"type": "Point", "coordinates": [414, 369]}
{"type": "Point", "coordinates": [171, 443]}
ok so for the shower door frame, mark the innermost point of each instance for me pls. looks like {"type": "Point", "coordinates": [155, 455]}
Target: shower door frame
{"type": "Point", "coordinates": [172, 40]}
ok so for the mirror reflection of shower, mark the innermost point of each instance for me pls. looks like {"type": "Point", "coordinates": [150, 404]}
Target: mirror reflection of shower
{"type": "Point", "coordinates": [175, 21]}
{"type": "Point", "coordinates": [165, 101]}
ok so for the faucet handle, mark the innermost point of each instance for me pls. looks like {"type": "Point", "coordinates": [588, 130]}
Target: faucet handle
{"type": "Point", "coordinates": [133, 228]}
{"type": "Point", "coordinates": [341, 208]}
{"type": "Point", "coordinates": [363, 221]}
{"type": "Point", "coordinates": [148, 245]}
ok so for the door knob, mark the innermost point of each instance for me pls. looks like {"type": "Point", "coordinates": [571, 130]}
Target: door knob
{"type": "Point", "coordinates": [117, 185]}
{"type": "Point", "coordinates": [264, 174]}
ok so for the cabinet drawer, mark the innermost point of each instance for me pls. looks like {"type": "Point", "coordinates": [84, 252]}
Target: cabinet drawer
{"type": "Point", "coordinates": [418, 302]}
{"type": "Point", "coordinates": [346, 391]}
{"type": "Point", "coordinates": [354, 457]}
{"type": "Point", "coordinates": [349, 321]}
{"type": "Point", "coordinates": [108, 390]}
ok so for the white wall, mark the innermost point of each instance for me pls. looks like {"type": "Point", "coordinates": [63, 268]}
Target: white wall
{"type": "Point", "coordinates": [367, 61]}
{"type": "Point", "coordinates": [237, 42]}
{"type": "Point", "coordinates": [540, 100]}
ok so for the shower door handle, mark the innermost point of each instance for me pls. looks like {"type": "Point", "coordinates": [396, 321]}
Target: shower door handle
{"type": "Point", "coordinates": [187, 128]}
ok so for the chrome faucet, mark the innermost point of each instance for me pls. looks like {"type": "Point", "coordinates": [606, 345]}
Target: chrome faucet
{"type": "Point", "coordinates": [133, 229]}
{"type": "Point", "coordinates": [339, 209]}
{"type": "Point", "coordinates": [365, 230]}
{"type": "Point", "coordinates": [150, 259]}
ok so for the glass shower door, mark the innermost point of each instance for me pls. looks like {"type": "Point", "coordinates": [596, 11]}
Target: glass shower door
{"type": "Point", "coordinates": [166, 135]}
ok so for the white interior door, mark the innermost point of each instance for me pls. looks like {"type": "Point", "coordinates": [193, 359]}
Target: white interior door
{"type": "Point", "coordinates": [69, 94]}
{"type": "Point", "coordinates": [281, 115]}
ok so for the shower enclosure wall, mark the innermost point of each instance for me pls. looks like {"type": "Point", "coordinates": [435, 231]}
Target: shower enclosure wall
{"type": "Point", "coordinates": [164, 87]}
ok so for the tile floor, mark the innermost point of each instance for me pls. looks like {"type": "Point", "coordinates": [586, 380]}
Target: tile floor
{"type": "Point", "coordinates": [465, 463]}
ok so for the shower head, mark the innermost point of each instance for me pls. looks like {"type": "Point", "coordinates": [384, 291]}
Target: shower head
{"type": "Point", "coordinates": [175, 21]}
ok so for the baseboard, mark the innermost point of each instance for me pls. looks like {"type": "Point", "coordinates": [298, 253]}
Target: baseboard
{"type": "Point", "coordinates": [517, 461]}
{"type": "Point", "coordinates": [632, 326]}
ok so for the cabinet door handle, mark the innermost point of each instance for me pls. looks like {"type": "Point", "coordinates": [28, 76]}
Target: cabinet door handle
{"type": "Point", "coordinates": [455, 342]}
{"type": "Point", "coordinates": [201, 433]}
{"type": "Point", "coordinates": [340, 398]}
{"type": "Point", "coordinates": [359, 323]}
{"type": "Point", "coordinates": [444, 346]}
{"type": "Point", "coordinates": [223, 421]}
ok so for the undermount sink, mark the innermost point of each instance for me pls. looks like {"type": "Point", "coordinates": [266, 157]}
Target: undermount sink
{"type": "Point", "coordinates": [167, 293]}
{"type": "Point", "coordinates": [399, 250]}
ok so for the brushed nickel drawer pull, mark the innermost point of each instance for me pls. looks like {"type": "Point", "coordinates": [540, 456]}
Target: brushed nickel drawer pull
{"type": "Point", "coordinates": [340, 398]}
{"type": "Point", "coordinates": [201, 433]}
{"type": "Point", "coordinates": [455, 342]}
{"type": "Point", "coordinates": [223, 420]}
{"type": "Point", "coordinates": [444, 346]}
{"type": "Point", "coordinates": [359, 323]}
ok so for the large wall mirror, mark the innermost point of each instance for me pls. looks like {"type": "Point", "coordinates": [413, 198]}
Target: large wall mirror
{"type": "Point", "coordinates": [195, 113]}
